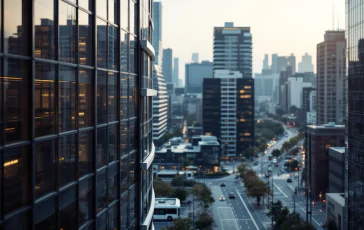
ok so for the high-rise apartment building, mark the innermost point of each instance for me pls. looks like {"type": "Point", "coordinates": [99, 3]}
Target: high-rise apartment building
{"type": "Point", "coordinates": [160, 102]}
{"type": "Point", "coordinates": [76, 139]}
{"type": "Point", "coordinates": [228, 110]}
{"type": "Point", "coordinates": [195, 58]}
{"type": "Point", "coordinates": [194, 75]}
{"type": "Point", "coordinates": [331, 78]}
{"type": "Point", "coordinates": [233, 49]}
{"type": "Point", "coordinates": [167, 65]}
{"type": "Point", "coordinates": [266, 62]}
{"type": "Point", "coordinates": [355, 116]}
{"type": "Point", "coordinates": [306, 64]}
{"type": "Point", "coordinates": [274, 63]}
{"type": "Point", "coordinates": [175, 72]}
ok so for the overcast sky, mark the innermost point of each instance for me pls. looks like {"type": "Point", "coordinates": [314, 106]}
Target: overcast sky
{"type": "Point", "coordinates": [278, 26]}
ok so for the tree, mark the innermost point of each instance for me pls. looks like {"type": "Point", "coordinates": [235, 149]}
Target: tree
{"type": "Point", "coordinates": [274, 210]}
{"type": "Point", "coordinates": [276, 153]}
{"type": "Point", "coordinates": [205, 222]}
{"type": "Point", "coordinates": [257, 189]}
{"type": "Point", "coordinates": [293, 109]}
{"type": "Point", "coordinates": [330, 225]}
{"type": "Point", "coordinates": [203, 193]}
{"type": "Point", "coordinates": [186, 162]}
{"type": "Point", "coordinates": [180, 193]}
{"type": "Point", "coordinates": [180, 224]}
{"type": "Point", "coordinates": [249, 152]}
{"type": "Point", "coordinates": [161, 188]}
{"type": "Point", "coordinates": [242, 168]}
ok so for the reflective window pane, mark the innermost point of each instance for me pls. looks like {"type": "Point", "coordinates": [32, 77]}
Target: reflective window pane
{"type": "Point", "coordinates": [19, 221]}
{"type": "Point", "coordinates": [85, 153]}
{"type": "Point", "coordinates": [101, 43]}
{"type": "Point", "coordinates": [16, 97]}
{"type": "Point", "coordinates": [67, 99]}
{"type": "Point", "coordinates": [44, 99]}
{"type": "Point", "coordinates": [101, 149]}
{"type": "Point", "coordinates": [124, 174]}
{"type": "Point", "coordinates": [133, 12]}
{"type": "Point", "coordinates": [124, 47]}
{"type": "Point", "coordinates": [45, 168]}
{"type": "Point", "coordinates": [113, 143]}
{"type": "Point", "coordinates": [101, 8]}
{"type": "Point", "coordinates": [113, 217]}
{"type": "Point", "coordinates": [46, 215]}
{"type": "Point", "coordinates": [101, 97]}
{"type": "Point", "coordinates": [101, 192]}
{"type": "Point", "coordinates": [87, 4]}
{"type": "Point", "coordinates": [124, 211]}
{"type": "Point", "coordinates": [44, 29]}
{"type": "Point", "coordinates": [124, 138]}
{"type": "Point", "coordinates": [133, 58]}
{"type": "Point", "coordinates": [112, 178]}
{"type": "Point", "coordinates": [132, 96]}
{"type": "Point", "coordinates": [85, 38]}
{"type": "Point", "coordinates": [132, 169]}
{"type": "Point", "coordinates": [124, 96]}
{"type": "Point", "coordinates": [16, 179]}
{"type": "Point", "coordinates": [133, 137]}
{"type": "Point", "coordinates": [113, 12]}
{"type": "Point", "coordinates": [113, 47]}
{"type": "Point", "coordinates": [16, 31]}
{"type": "Point", "coordinates": [67, 212]}
{"type": "Point", "coordinates": [85, 99]}
{"type": "Point", "coordinates": [124, 14]}
{"type": "Point", "coordinates": [112, 97]}
{"type": "Point", "coordinates": [101, 222]}
{"type": "Point", "coordinates": [67, 32]}
{"type": "Point", "coordinates": [85, 203]}
{"type": "Point", "coordinates": [67, 159]}
{"type": "Point", "coordinates": [132, 205]}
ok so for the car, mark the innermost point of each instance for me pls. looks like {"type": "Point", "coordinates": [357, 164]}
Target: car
{"type": "Point", "coordinates": [222, 198]}
{"type": "Point", "coordinates": [289, 180]}
{"type": "Point", "coordinates": [270, 164]}
{"type": "Point", "coordinates": [266, 175]}
{"type": "Point", "coordinates": [257, 156]}
{"type": "Point", "coordinates": [256, 163]}
{"type": "Point", "coordinates": [269, 169]}
{"type": "Point", "coordinates": [276, 165]}
{"type": "Point", "coordinates": [231, 195]}
{"type": "Point", "coordinates": [222, 185]}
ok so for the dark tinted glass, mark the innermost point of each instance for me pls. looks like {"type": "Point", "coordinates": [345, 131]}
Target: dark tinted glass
{"type": "Point", "coordinates": [46, 215]}
{"type": "Point", "coordinates": [124, 211]}
{"type": "Point", "coordinates": [85, 38]}
{"type": "Point", "coordinates": [113, 216]}
{"type": "Point", "coordinates": [124, 47]}
{"type": "Point", "coordinates": [85, 201]}
{"type": "Point", "coordinates": [17, 100]}
{"type": "Point", "coordinates": [112, 181]}
{"type": "Point", "coordinates": [124, 174]}
{"type": "Point", "coordinates": [85, 98]}
{"type": "Point", "coordinates": [132, 96]}
{"type": "Point", "coordinates": [101, 221]}
{"type": "Point", "coordinates": [67, 31]}
{"type": "Point", "coordinates": [45, 167]}
{"type": "Point", "coordinates": [16, 31]}
{"type": "Point", "coordinates": [124, 138]}
{"type": "Point", "coordinates": [67, 160]}
{"type": "Point", "coordinates": [67, 99]}
{"type": "Point", "coordinates": [132, 205]}
{"type": "Point", "coordinates": [112, 96]}
{"type": "Point", "coordinates": [44, 29]}
{"type": "Point", "coordinates": [113, 143]}
{"type": "Point", "coordinates": [67, 211]}
{"type": "Point", "coordinates": [44, 99]}
{"type": "Point", "coordinates": [101, 43]}
{"type": "Point", "coordinates": [124, 96]}
{"type": "Point", "coordinates": [101, 149]}
{"type": "Point", "coordinates": [113, 47]}
{"type": "Point", "coordinates": [16, 179]}
{"type": "Point", "coordinates": [133, 137]}
{"type": "Point", "coordinates": [132, 57]}
{"type": "Point", "coordinates": [132, 169]}
{"type": "Point", "coordinates": [85, 153]}
{"type": "Point", "coordinates": [101, 191]}
{"type": "Point", "coordinates": [19, 221]}
{"type": "Point", "coordinates": [101, 96]}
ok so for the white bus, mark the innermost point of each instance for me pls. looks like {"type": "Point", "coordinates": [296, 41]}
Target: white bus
{"type": "Point", "coordinates": [167, 209]}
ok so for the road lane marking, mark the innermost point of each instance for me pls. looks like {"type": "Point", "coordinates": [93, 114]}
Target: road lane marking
{"type": "Point", "coordinates": [316, 222]}
{"type": "Point", "coordinates": [220, 218]}
{"type": "Point", "coordinates": [280, 190]}
{"type": "Point", "coordinates": [248, 211]}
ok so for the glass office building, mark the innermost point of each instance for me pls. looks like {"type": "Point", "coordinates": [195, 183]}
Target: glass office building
{"type": "Point", "coordinates": [76, 114]}
{"type": "Point", "coordinates": [355, 116]}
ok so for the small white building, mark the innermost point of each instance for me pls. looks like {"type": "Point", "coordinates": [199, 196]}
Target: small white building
{"type": "Point", "coordinates": [295, 87]}
{"type": "Point", "coordinates": [335, 209]}
{"type": "Point", "coordinates": [311, 118]}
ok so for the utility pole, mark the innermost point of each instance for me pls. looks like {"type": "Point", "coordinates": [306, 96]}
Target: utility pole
{"type": "Point", "coordinates": [272, 199]}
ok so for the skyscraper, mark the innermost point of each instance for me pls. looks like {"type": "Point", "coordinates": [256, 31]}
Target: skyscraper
{"type": "Point", "coordinates": [331, 78]}
{"type": "Point", "coordinates": [233, 49]}
{"type": "Point", "coordinates": [355, 115]}
{"type": "Point", "coordinates": [284, 61]}
{"type": "Point", "coordinates": [195, 58]}
{"type": "Point", "coordinates": [274, 63]}
{"type": "Point", "coordinates": [306, 64]}
{"type": "Point", "coordinates": [167, 65]}
{"type": "Point", "coordinates": [175, 72]}
{"type": "Point", "coordinates": [266, 62]}
{"type": "Point", "coordinates": [194, 75]}
{"type": "Point", "coordinates": [160, 102]}
{"type": "Point", "coordinates": [75, 152]}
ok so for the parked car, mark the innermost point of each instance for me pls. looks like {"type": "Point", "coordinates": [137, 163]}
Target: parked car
{"type": "Point", "coordinates": [222, 185]}
{"type": "Point", "coordinates": [270, 164]}
{"type": "Point", "coordinates": [256, 163]}
{"type": "Point", "coordinates": [289, 180]}
{"type": "Point", "coordinates": [276, 165]}
{"type": "Point", "coordinates": [231, 195]}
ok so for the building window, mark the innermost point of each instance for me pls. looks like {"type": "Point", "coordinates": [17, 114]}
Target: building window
{"type": "Point", "coordinates": [67, 32]}
{"type": "Point", "coordinates": [101, 96]}
{"type": "Point", "coordinates": [113, 143]}
{"type": "Point", "coordinates": [85, 37]}
{"type": "Point", "coordinates": [85, 98]}
{"type": "Point", "coordinates": [85, 153]}
{"type": "Point", "coordinates": [124, 14]}
{"type": "Point", "coordinates": [112, 96]}
{"type": "Point", "coordinates": [112, 179]}
{"type": "Point", "coordinates": [101, 42]}
{"type": "Point", "coordinates": [101, 149]}
{"type": "Point", "coordinates": [124, 96]}
{"type": "Point", "coordinates": [45, 214]}
{"type": "Point", "coordinates": [67, 211]}
{"type": "Point", "coordinates": [101, 191]}
{"type": "Point", "coordinates": [85, 201]}
{"type": "Point", "coordinates": [67, 159]}
{"type": "Point", "coordinates": [67, 99]}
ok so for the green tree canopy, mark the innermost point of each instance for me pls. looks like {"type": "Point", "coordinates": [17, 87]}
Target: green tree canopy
{"type": "Point", "coordinates": [180, 193]}
{"type": "Point", "coordinates": [180, 224]}
{"type": "Point", "coordinates": [276, 153]}
{"type": "Point", "coordinates": [205, 222]}
{"type": "Point", "coordinates": [161, 188]}
{"type": "Point", "coordinates": [204, 194]}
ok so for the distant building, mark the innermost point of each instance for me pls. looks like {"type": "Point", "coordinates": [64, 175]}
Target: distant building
{"type": "Point", "coordinates": [313, 100]}
{"type": "Point", "coordinates": [175, 72]}
{"type": "Point", "coordinates": [193, 107]}
{"type": "Point", "coordinates": [168, 65]}
{"type": "Point", "coordinates": [331, 78]}
{"type": "Point", "coordinates": [266, 62]}
{"type": "Point", "coordinates": [318, 140]}
{"type": "Point", "coordinates": [195, 58]}
{"type": "Point", "coordinates": [295, 87]}
{"type": "Point", "coordinates": [274, 66]}
{"type": "Point", "coordinates": [337, 170]}
{"type": "Point", "coordinates": [266, 87]}
{"type": "Point", "coordinates": [284, 61]}
{"type": "Point", "coordinates": [283, 78]}
{"type": "Point", "coordinates": [194, 75]}
{"type": "Point", "coordinates": [335, 209]}
{"type": "Point", "coordinates": [311, 118]}
{"type": "Point", "coordinates": [228, 110]}
{"type": "Point", "coordinates": [233, 49]}
{"type": "Point", "coordinates": [306, 64]}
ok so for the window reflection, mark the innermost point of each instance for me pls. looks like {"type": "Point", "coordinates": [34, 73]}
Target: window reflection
{"type": "Point", "coordinates": [101, 43]}
{"type": "Point", "coordinates": [101, 149]}
{"type": "Point", "coordinates": [67, 212]}
{"type": "Point", "coordinates": [132, 17]}
{"type": "Point", "coordinates": [87, 4]}
{"type": "Point", "coordinates": [67, 160]}
{"type": "Point", "coordinates": [101, 222]}
{"type": "Point", "coordinates": [131, 169]}
{"type": "Point", "coordinates": [85, 38]}
{"type": "Point", "coordinates": [132, 96]}
{"type": "Point", "coordinates": [124, 46]}
{"type": "Point", "coordinates": [124, 138]}
{"type": "Point", "coordinates": [112, 217]}
{"type": "Point", "coordinates": [101, 97]}
{"type": "Point", "coordinates": [112, 180]}
{"type": "Point", "coordinates": [133, 60]}
{"type": "Point", "coordinates": [45, 170]}
{"type": "Point", "coordinates": [124, 175]}
{"type": "Point", "coordinates": [44, 29]}
{"type": "Point", "coordinates": [124, 96]}
{"type": "Point", "coordinates": [85, 98]}
{"type": "Point", "coordinates": [67, 99]}
{"type": "Point", "coordinates": [101, 8]}
{"type": "Point", "coordinates": [45, 215]}
{"type": "Point", "coordinates": [67, 32]}
{"type": "Point", "coordinates": [101, 193]}
{"type": "Point", "coordinates": [132, 205]}
{"type": "Point", "coordinates": [113, 12]}
{"type": "Point", "coordinates": [44, 98]}
{"type": "Point", "coordinates": [16, 179]}
{"type": "Point", "coordinates": [113, 44]}
{"type": "Point", "coordinates": [20, 221]}
{"type": "Point", "coordinates": [124, 14]}
{"type": "Point", "coordinates": [113, 143]}
{"type": "Point", "coordinates": [85, 153]}
{"type": "Point", "coordinates": [85, 201]}
{"type": "Point", "coordinates": [112, 96]}
{"type": "Point", "coordinates": [15, 86]}
{"type": "Point", "coordinates": [124, 210]}
{"type": "Point", "coordinates": [133, 138]}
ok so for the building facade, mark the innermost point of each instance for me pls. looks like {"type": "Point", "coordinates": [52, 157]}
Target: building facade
{"type": "Point", "coordinates": [337, 170]}
{"type": "Point", "coordinates": [167, 65]}
{"type": "Point", "coordinates": [331, 78]}
{"type": "Point", "coordinates": [194, 75]}
{"type": "Point", "coordinates": [160, 102]}
{"type": "Point", "coordinates": [266, 87]}
{"type": "Point", "coordinates": [228, 110]}
{"type": "Point", "coordinates": [284, 61]}
{"type": "Point", "coordinates": [355, 113]}
{"type": "Point", "coordinates": [195, 58]}
{"type": "Point", "coordinates": [335, 209]}
{"type": "Point", "coordinates": [305, 65]}
{"type": "Point", "coordinates": [233, 49]}
{"type": "Point", "coordinates": [76, 142]}
{"type": "Point", "coordinates": [175, 72]}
